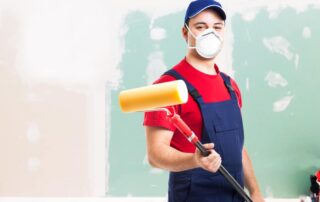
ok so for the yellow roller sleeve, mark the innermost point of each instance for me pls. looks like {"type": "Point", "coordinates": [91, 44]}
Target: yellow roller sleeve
{"type": "Point", "coordinates": [154, 96]}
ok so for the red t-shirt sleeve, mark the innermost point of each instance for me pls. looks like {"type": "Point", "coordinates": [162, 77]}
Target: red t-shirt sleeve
{"type": "Point", "coordinates": [237, 91]}
{"type": "Point", "coordinates": [159, 118]}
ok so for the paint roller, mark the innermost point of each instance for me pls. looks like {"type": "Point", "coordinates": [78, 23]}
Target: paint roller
{"type": "Point", "coordinates": [161, 97]}
{"type": "Point", "coordinates": [154, 96]}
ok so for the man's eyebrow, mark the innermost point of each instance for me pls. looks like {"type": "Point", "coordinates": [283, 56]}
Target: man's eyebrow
{"type": "Point", "coordinates": [219, 23]}
{"type": "Point", "coordinates": [204, 23]}
{"type": "Point", "coordinates": [200, 23]}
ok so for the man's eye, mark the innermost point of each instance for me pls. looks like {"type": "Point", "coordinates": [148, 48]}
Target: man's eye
{"type": "Point", "coordinates": [217, 28]}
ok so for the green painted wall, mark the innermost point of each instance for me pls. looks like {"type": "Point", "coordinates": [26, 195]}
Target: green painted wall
{"type": "Point", "coordinates": [283, 145]}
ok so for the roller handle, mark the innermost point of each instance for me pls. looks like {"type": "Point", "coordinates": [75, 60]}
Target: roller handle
{"type": "Point", "coordinates": [202, 150]}
{"type": "Point", "coordinates": [227, 175]}
{"type": "Point", "coordinates": [187, 132]}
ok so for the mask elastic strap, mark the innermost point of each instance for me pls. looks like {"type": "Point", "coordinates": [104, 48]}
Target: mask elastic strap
{"type": "Point", "coordinates": [190, 30]}
{"type": "Point", "coordinates": [192, 47]}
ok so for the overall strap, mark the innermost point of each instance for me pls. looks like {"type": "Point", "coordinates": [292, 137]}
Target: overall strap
{"type": "Point", "coordinates": [227, 83]}
{"type": "Point", "coordinates": [192, 90]}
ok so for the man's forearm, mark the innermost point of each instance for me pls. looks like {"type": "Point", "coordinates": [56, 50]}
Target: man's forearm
{"type": "Point", "coordinates": [162, 155]}
{"type": "Point", "coordinates": [250, 180]}
{"type": "Point", "coordinates": [171, 159]}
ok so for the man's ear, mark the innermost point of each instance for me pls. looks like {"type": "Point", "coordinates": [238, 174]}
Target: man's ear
{"type": "Point", "coordinates": [184, 32]}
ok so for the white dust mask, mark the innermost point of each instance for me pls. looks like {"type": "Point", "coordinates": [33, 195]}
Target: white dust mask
{"type": "Point", "coordinates": [208, 43]}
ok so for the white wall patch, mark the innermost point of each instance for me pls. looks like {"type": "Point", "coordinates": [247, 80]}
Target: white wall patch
{"type": "Point", "coordinates": [275, 79]}
{"type": "Point", "coordinates": [306, 32]}
{"type": "Point", "coordinates": [247, 84]}
{"type": "Point", "coordinates": [280, 45]}
{"type": "Point", "coordinates": [282, 104]}
{"type": "Point", "coordinates": [157, 33]}
{"type": "Point", "coordinates": [156, 171]}
{"type": "Point", "coordinates": [156, 66]}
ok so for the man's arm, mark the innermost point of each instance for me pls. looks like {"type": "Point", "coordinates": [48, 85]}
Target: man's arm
{"type": "Point", "coordinates": [162, 155]}
{"type": "Point", "coordinates": [250, 180]}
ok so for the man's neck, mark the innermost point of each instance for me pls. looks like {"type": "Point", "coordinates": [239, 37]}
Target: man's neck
{"type": "Point", "coordinates": [203, 65]}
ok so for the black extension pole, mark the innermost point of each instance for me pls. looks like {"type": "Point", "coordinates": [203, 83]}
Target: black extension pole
{"type": "Point", "coordinates": [226, 174]}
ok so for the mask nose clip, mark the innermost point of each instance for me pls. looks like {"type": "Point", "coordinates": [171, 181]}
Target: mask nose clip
{"type": "Point", "coordinates": [208, 33]}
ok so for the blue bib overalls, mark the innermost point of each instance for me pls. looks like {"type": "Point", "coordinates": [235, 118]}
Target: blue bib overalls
{"type": "Point", "coordinates": [222, 125]}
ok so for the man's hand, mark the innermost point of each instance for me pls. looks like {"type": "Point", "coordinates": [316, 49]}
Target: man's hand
{"type": "Point", "coordinates": [257, 197]}
{"type": "Point", "coordinates": [210, 163]}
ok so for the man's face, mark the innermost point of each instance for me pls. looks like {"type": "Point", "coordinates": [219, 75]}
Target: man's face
{"type": "Point", "coordinates": [204, 20]}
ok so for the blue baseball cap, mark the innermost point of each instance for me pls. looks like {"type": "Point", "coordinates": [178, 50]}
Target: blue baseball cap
{"type": "Point", "coordinates": [197, 6]}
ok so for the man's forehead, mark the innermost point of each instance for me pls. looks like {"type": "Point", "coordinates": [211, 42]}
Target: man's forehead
{"type": "Point", "coordinates": [206, 22]}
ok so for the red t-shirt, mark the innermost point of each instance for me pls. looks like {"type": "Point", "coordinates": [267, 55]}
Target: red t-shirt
{"type": "Point", "coordinates": [210, 87]}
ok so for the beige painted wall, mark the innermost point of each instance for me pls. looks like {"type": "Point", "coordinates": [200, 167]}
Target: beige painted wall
{"type": "Point", "coordinates": [52, 98]}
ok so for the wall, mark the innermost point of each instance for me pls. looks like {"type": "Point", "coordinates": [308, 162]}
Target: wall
{"type": "Point", "coordinates": [63, 63]}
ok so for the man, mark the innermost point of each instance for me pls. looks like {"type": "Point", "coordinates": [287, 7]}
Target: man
{"type": "Point", "coordinates": [212, 112]}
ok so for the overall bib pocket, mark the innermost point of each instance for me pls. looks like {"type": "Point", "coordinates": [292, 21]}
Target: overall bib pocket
{"type": "Point", "coordinates": [227, 134]}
